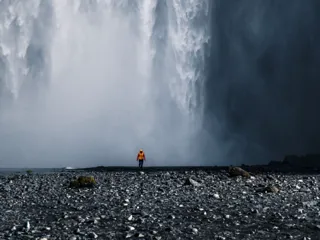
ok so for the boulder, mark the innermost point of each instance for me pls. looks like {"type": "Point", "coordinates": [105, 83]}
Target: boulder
{"type": "Point", "coordinates": [83, 181]}
{"type": "Point", "coordinates": [237, 171]}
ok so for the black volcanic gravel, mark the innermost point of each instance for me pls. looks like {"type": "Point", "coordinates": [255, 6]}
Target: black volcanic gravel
{"type": "Point", "coordinates": [160, 205]}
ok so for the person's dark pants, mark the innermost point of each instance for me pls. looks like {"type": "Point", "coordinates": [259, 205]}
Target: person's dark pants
{"type": "Point", "coordinates": [140, 163]}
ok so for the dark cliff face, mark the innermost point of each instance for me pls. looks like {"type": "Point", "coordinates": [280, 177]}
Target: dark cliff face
{"type": "Point", "coordinates": [264, 77]}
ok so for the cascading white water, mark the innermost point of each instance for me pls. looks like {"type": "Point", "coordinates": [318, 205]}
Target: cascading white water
{"type": "Point", "coordinates": [16, 31]}
{"type": "Point", "coordinates": [121, 75]}
{"type": "Point", "coordinates": [189, 31]}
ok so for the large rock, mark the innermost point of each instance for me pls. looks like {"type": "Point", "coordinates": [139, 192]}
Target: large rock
{"type": "Point", "coordinates": [190, 181]}
{"type": "Point", "coordinates": [271, 189]}
{"type": "Point", "coordinates": [237, 171]}
{"type": "Point", "coordinates": [83, 181]}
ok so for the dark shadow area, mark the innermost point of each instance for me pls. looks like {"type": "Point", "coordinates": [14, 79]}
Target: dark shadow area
{"type": "Point", "coordinates": [263, 86]}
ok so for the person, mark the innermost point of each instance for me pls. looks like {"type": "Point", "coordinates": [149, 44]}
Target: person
{"type": "Point", "coordinates": [141, 157]}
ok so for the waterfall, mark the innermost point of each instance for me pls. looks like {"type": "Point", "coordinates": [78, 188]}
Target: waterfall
{"type": "Point", "coordinates": [189, 32]}
{"type": "Point", "coordinates": [92, 81]}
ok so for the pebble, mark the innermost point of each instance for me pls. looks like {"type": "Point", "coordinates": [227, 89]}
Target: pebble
{"type": "Point", "coordinates": [124, 197]}
{"type": "Point", "coordinates": [131, 228]}
{"type": "Point", "coordinates": [92, 235]}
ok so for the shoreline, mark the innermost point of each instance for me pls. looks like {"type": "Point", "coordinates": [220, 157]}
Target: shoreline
{"type": "Point", "coordinates": [291, 164]}
{"type": "Point", "coordinates": [253, 169]}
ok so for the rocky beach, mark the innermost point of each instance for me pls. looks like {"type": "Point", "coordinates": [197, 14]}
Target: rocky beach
{"type": "Point", "coordinates": [187, 204]}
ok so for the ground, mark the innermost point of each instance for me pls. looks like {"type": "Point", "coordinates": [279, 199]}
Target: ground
{"type": "Point", "coordinates": [160, 205]}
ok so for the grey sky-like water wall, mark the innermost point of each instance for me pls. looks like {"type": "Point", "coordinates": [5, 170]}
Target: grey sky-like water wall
{"type": "Point", "coordinates": [192, 82]}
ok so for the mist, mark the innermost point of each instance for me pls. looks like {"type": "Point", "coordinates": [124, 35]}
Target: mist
{"type": "Point", "coordinates": [95, 82]}
{"type": "Point", "coordinates": [90, 83]}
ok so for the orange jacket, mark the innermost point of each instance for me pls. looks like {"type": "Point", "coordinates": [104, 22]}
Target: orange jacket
{"type": "Point", "coordinates": [141, 156]}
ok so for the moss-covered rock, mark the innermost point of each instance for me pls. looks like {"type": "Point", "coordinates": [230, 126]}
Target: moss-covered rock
{"type": "Point", "coordinates": [83, 181]}
{"type": "Point", "coordinates": [29, 172]}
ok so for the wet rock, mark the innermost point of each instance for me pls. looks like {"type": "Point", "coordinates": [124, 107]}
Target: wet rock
{"type": "Point", "coordinates": [27, 226]}
{"type": "Point", "coordinates": [139, 235]}
{"type": "Point", "coordinates": [271, 189]}
{"type": "Point", "coordinates": [92, 235]}
{"type": "Point", "coordinates": [130, 228]}
{"type": "Point", "coordinates": [237, 171]}
{"type": "Point", "coordinates": [216, 196]}
{"type": "Point", "coordinates": [129, 235]}
{"type": "Point", "coordinates": [272, 178]}
{"type": "Point", "coordinates": [190, 181]}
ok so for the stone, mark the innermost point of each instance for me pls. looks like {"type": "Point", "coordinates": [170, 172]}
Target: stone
{"type": "Point", "coordinates": [192, 182]}
{"type": "Point", "coordinates": [158, 214]}
{"type": "Point", "coordinates": [92, 235]}
{"type": "Point", "coordinates": [237, 171]}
